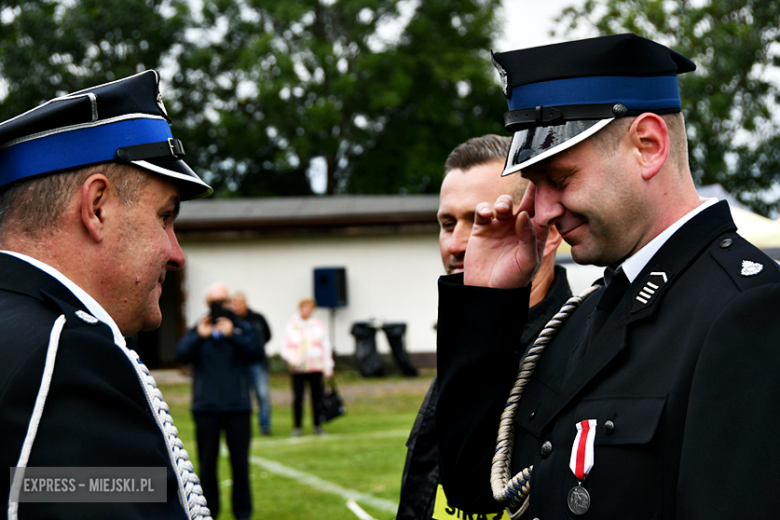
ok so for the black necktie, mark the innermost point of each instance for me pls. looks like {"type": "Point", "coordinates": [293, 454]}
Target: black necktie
{"type": "Point", "coordinates": [617, 285]}
{"type": "Point", "coordinates": [609, 300]}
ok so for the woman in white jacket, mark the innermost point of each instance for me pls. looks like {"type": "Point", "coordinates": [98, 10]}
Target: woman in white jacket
{"type": "Point", "coordinates": [309, 357]}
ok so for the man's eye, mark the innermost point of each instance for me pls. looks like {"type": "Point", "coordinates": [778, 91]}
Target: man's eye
{"type": "Point", "coordinates": [447, 225]}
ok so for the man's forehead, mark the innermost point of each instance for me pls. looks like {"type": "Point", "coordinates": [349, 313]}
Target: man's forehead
{"type": "Point", "coordinates": [163, 191]}
{"type": "Point", "coordinates": [483, 177]}
{"type": "Point", "coordinates": [564, 160]}
{"type": "Point", "coordinates": [463, 196]}
{"type": "Point", "coordinates": [218, 292]}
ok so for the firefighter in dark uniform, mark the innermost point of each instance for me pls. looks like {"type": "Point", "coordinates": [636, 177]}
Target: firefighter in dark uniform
{"type": "Point", "coordinates": [471, 172]}
{"type": "Point", "coordinates": [653, 395]}
{"type": "Point", "coordinates": [90, 184]}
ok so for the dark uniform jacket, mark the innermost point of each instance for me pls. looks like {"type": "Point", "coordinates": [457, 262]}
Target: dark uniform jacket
{"type": "Point", "coordinates": [421, 472]}
{"type": "Point", "coordinates": [220, 379]}
{"type": "Point", "coordinates": [96, 413]}
{"type": "Point", "coordinates": [687, 379]}
{"type": "Point", "coordinates": [263, 331]}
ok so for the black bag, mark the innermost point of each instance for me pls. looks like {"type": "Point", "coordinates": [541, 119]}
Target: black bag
{"type": "Point", "coordinates": [332, 403]}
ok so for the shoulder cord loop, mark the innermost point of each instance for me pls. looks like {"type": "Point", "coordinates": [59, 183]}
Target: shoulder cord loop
{"type": "Point", "coordinates": [35, 419]}
{"type": "Point", "coordinates": [515, 492]}
{"type": "Point", "coordinates": [190, 492]}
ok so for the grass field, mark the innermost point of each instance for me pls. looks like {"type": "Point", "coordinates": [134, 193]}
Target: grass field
{"type": "Point", "coordinates": [315, 477]}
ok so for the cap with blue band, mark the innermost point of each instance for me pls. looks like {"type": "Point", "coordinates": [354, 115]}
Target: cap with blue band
{"type": "Point", "coordinates": [122, 121]}
{"type": "Point", "coordinates": [559, 95]}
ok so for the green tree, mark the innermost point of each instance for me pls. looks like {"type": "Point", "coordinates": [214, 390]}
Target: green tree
{"type": "Point", "coordinates": [49, 48]}
{"type": "Point", "coordinates": [728, 102]}
{"type": "Point", "coordinates": [444, 90]}
{"type": "Point", "coordinates": [271, 88]}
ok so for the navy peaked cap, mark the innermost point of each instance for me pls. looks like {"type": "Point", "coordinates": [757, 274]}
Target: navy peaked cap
{"type": "Point", "coordinates": [558, 95]}
{"type": "Point", "coordinates": [123, 121]}
{"type": "Point", "coordinates": [615, 55]}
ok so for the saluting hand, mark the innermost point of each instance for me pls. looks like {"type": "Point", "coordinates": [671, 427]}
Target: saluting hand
{"type": "Point", "coordinates": [505, 248]}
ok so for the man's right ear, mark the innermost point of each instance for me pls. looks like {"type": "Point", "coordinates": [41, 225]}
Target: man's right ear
{"type": "Point", "coordinates": [94, 197]}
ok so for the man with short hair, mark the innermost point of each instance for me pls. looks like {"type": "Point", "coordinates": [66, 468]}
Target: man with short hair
{"type": "Point", "coordinates": [472, 173]}
{"type": "Point", "coordinates": [258, 371]}
{"type": "Point", "coordinates": [90, 185]}
{"type": "Point", "coordinates": [219, 348]}
{"type": "Point", "coordinates": [658, 385]}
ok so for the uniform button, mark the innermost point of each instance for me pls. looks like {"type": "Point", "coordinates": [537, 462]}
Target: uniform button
{"type": "Point", "coordinates": [726, 242]}
{"type": "Point", "coordinates": [546, 449]}
{"type": "Point", "coordinates": [609, 427]}
{"type": "Point", "coordinates": [532, 416]}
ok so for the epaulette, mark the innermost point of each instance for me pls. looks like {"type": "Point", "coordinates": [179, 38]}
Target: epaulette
{"type": "Point", "coordinates": [746, 264]}
{"type": "Point", "coordinates": [78, 319]}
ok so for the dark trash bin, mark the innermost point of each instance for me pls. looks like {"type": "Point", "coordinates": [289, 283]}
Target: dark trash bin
{"type": "Point", "coordinates": [395, 336]}
{"type": "Point", "coordinates": [368, 361]}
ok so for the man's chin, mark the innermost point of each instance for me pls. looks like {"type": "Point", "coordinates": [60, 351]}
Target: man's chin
{"type": "Point", "coordinates": [152, 321]}
{"type": "Point", "coordinates": [583, 256]}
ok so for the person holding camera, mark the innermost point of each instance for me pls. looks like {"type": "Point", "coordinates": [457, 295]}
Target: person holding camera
{"type": "Point", "coordinates": [219, 348]}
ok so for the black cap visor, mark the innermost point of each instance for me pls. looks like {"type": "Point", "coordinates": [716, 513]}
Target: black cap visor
{"type": "Point", "coordinates": [531, 145]}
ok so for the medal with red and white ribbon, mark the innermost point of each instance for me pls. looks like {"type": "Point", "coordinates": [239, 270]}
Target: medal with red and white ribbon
{"type": "Point", "coordinates": [581, 463]}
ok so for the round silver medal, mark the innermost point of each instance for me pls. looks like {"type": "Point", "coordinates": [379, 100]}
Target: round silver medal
{"type": "Point", "coordinates": [579, 500]}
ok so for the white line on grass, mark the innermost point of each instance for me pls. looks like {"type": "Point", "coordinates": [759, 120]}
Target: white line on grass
{"type": "Point", "coordinates": [352, 505]}
{"type": "Point", "coordinates": [257, 442]}
{"type": "Point", "coordinates": [323, 485]}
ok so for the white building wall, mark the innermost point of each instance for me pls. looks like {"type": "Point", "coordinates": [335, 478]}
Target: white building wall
{"type": "Point", "coordinates": [389, 277]}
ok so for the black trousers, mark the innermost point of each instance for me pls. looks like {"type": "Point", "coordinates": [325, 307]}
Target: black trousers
{"type": "Point", "coordinates": [315, 383]}
{"type": "Point", "coordinates": [238, 432]}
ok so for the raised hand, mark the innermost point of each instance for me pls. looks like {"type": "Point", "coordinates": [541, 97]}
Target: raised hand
{"type": "Point", "coordinates": [505, 248]}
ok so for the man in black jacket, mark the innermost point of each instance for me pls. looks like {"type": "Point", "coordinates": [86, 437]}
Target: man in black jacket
{"type": "Point", "coordinates": [472, 173]}
{"type": "Point", "coordinates": [651, 392]}
{"type": "Point", "coordinates": [258, 371]}
{"type": "Point", "coordinates": [219, 348]}
{"type": "Point", "coordinates": [90, 185]}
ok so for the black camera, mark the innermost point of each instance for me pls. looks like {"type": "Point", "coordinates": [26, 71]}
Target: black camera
{"type": "Point", "coordinates": [219, 311]}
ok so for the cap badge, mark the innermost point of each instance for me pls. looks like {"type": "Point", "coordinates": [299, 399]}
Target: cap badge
{"type": "Point", "coordinates": [86, 317]}
{"type": "Point", "coordinates": [751, 268]}
{"type": "Point", "coordinates": [160, 103]}
{"type": "Point", "coordinates": [503, 75]}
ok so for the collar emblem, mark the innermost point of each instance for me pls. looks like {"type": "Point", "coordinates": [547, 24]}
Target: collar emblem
{"type": "Point", "coordinates": [751, 268]}
{"type": "Point", "coordinates": [650, 289]}
{"type": "Point", "coordinates": [86, 317]}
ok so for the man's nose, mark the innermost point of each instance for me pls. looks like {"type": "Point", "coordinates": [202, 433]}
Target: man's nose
{"type": "Point", "coordinates": [548, 208]}
{"type": "Point", "coordinates": [460, 238]}
{"type": "Point", "coordinates": [176, 261]}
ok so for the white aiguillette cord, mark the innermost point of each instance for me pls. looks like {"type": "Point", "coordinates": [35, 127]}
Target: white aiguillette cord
{"type": "Point", "coordinates": [514, 492]}
{"type": "Point", "coordinates": [190, 492]}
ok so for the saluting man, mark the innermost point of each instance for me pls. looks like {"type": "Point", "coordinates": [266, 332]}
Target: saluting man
{"type": "Point", "coordinates": [90, 185]}
{"type": "Point", "coordinates": [654, 396]}
{"type": "Point", "coordinates": [472, 172]}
